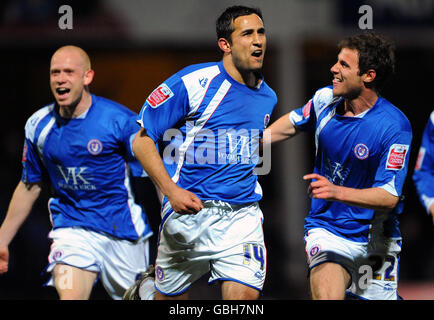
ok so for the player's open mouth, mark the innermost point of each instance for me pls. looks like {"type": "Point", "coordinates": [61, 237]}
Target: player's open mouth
{"type": "Point", "coordinates": [62, 91]}
{"type": "Point", "coordinates": [337, 80]}
{"type": "Point", "coordinates": [257, 53]}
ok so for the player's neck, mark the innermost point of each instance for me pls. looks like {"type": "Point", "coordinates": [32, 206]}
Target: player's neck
{"type": "Point", "coordinates": [78, 108]}
{"type": "Point", "coordinates": [249, 78]}
{"type": "Point", "coordinates": [364, 101]}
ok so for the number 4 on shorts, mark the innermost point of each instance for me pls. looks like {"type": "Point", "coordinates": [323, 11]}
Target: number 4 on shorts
{"type": "Point", "coordinates": [258, 253]}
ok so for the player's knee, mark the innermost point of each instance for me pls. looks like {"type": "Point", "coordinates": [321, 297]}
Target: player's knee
{"type": "Point", "coordinates": [160, 296]}
{"type": "Point", "coordinates": [243, 295]}
{"type": "Point", "coordinates": [71, 295]}
{"type": "Point", "coordinates": [236, 291]}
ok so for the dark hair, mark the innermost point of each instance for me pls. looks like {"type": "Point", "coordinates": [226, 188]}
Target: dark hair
{"type": "Point", "coordinates": [224, 27]}
{"type": "Point", "coordinates": [375, 52]}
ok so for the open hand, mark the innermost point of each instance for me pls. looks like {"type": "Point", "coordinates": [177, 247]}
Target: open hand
{"type": "Point", "coordinates": [322, 188]}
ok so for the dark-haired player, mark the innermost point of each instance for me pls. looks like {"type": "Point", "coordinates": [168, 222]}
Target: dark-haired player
{"type": "Point", "coordinates": [211, 220]}
{"type": "Point", "coordinates": [362, 149]}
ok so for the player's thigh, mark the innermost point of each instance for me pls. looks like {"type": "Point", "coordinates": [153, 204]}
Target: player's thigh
{"type": "Point", "coordinates": [121, 262]}
{"type": "Point", "coordinates": [180, 259]}
{"type": "Point", "coordinates": [242, 257]}
{"type": "Point", "coordinates": [237, 291]}
{"type": "Point", "coordinates": [330, 259]}
{"type": "Point", "coordinates": [73, 283]}
{"type": "Point", "coordinates": [329, 280]}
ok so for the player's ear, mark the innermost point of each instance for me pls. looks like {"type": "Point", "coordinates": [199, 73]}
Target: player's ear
{"type": "Point", "coordinates": [369, 76]}
{"type": "Point", "coordinates": [224, 45]}
{"type": "Point", "coordinates": [88, 76]}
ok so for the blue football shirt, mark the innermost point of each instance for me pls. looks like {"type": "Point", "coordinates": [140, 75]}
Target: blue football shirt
{"type": "Point", "coordinates": [365, 151]}
{"type": "Point", "coordinates": [210, 126]}
{"type": "Point", "coordinates": [423, 175]}
{"type": "Point", "coordinates": [89, 162]}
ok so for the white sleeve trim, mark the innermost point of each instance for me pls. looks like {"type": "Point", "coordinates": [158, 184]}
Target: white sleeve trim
{"type": "Point", "coordinates": [390, 187]}
{"type": "Point", "coordinates": [294, 117]}
{"type": "Point", "coordinates": [427, 201]}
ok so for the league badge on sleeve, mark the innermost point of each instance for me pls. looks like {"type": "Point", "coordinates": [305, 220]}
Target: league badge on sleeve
{"type": "Point", "coordinates": [24, 156]}
{"type": "Point", "coordinates": [420, 157]}
{"type": "Point", "coordinates": [306, 109]}
{"type": "Point", "coordinates": [159, 96]}
{"type": "Point", "coordinates": [396, 156]}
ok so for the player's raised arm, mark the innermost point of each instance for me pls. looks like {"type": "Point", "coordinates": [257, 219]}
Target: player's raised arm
{"type": "Point", "coordinates": [279, 130]}
{"type": "Point", "coordinates": [182, 201]}
{"type": "Point", "coordinates": [20, 206]}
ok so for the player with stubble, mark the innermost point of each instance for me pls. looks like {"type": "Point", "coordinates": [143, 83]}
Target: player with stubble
{"type": "Point", "coordinates": [211, 220]}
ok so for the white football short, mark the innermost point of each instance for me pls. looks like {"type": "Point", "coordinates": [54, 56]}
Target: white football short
{"type": "Point", "coordinates": [373, 266]}
{"type": "Point", "coordinates": [117, 261]}
{"type": "Point", "coordinates": [225, 239]}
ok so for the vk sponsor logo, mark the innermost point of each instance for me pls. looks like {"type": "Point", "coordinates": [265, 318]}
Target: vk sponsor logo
{"type": "Point", "coordinates": [336, 173]}
{"type": "Point", "coordinates": [75, 178]}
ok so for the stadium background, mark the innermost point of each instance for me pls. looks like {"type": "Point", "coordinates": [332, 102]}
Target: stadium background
{"type": "Point", "coordinates": [134, 45]}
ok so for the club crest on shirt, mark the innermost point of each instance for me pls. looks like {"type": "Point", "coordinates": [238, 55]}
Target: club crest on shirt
{"type": "Point", "coordinates": [361, 151]}
{"type": "Point", "coordinates": [396, 156]}
{"type": "Point", "coordinates": [159, 96]}
{"type": "Point", "coordinates": [94, 147]}
{"type": "Point", "coordinates": [266, 120]}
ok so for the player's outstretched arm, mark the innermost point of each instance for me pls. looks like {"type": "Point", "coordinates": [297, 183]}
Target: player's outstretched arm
{"type": "Point", "coordinates": [371, 198]}
{"type": "Point", "coordinates": [279, 130]}
{"type": "Point", "coordinates": [20, 207]}
{"type": "Point", "coordinates": [182, 201]}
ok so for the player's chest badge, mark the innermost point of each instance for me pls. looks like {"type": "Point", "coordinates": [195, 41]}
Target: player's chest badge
{"type": "Point", "coordinates": [94, 147]}
{"type": "Point", "coordinates": [361, 151]}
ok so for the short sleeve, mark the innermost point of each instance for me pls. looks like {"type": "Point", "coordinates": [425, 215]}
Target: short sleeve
{"type": "Point", "coordinates": [395, 153]}
{"type": "Point", "coordinates": [164, 108]}
{"type": "Point", "coordinates": [306, 117]}
{"type": "Point", "coordinates": [32, 166]}
{"type": "Point", "coordinates": [423, 175]}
